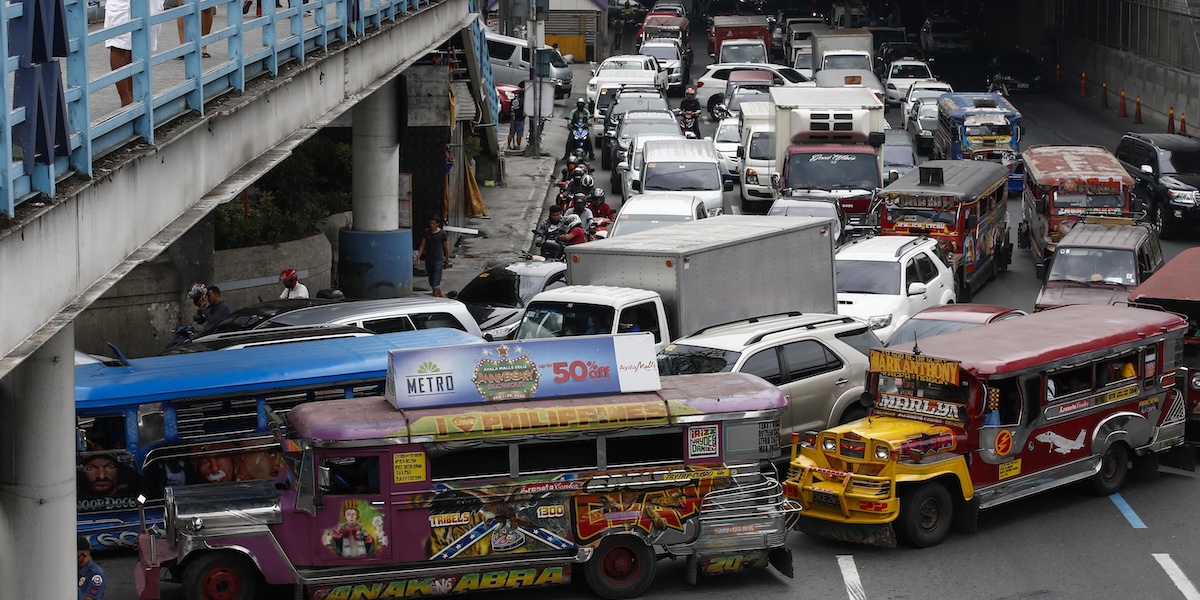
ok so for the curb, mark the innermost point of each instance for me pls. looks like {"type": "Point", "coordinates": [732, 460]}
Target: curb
{"type": "Point", "coordinates": [540, 207]}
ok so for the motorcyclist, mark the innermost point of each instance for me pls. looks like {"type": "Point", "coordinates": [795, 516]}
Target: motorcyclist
{"type": "Point", "coordinates": [691, 104]}
{"type": "Point", "coordinates": [599, 207]}
{"type": "Point", "coordinates": [997, 85]}
{"type": "Point", "coordinates": [548, 232]}
{"type": "Point", "coordinates": [574, 233]}
{"type": "Point", "coordinates": [579, 114]}
{"type": "Point", "coordinates": [581, 183]}
{"type": "Point", "coordinates": [580, 208]}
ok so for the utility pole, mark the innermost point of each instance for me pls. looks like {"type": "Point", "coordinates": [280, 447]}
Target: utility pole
{"type": "Point", "coordinates": [535, 36]}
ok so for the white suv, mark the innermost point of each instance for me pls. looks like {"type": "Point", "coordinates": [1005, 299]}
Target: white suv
{"type": "Point", "coordinates": [819, 361]}
{"type": "Point", "coordinates": [884, 280]}
{"type": "Point", "coordinates": [710, 87]}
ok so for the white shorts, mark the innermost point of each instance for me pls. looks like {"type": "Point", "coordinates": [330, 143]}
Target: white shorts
{"type": "Point", "coordinates": [116, 12]}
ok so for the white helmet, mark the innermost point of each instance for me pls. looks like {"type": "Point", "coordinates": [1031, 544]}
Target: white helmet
{"type": "Point", "coordinates": [572, 221]}
{"type": "Point", "coordinates": [588, 181]}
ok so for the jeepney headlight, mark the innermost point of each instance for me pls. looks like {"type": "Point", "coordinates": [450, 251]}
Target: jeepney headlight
{"type": "Point", "coordinates": [1195, 382]}
{"type": "Point", "coordinates": [882, 452]}
{"type": "Point", "coordinates": [879, 322]}
{"type": "Point", "coordinates": [828, 444]}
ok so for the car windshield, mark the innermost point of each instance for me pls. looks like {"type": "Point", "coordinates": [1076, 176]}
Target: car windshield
{"type": "Point", "coordinates": [553, 319]}
{"type": "Point", "coordinates": [1088, 201]}
{"type": "Point", "coordinates": [744, 94]}
{"type": "Point", "coordinates": [910, 72]}
{"type": "Point", "coordinates": [627, 104]}
{"type": "Point", "coordinates": [556, 59]}
{"type": "Point", "coordinates": [682, 359]}
{"type": "Point", "coordinates": [811, 209]}
{"type": "Point", "coordinates": [1094, 265]}
{"type": "Point", "coordinates": [661, 52]}
{"type": "Point", "coordinates": [500, 287]}
{"type": "Point", "coordinates": [927, 111]}
{"type": "Point", "coordinates": [848, 61]}
{"type": "Point", "coordinates": [743, 53]}
{"type": "Point", "coordinates": [898, 155]}
{"type": "Point", "coordinates": [727, 133]}
{"type": "Point", "coordinates": [681, 176]}
{"type": "Point", "coordinates": [1181, 161]}
{"type": "Point", "coordinates": [897, 51]}
{"type": "Point", "coordinates": [761, 146]}
{"type": "Point", "coordinates": [867, 277]}
{"type": "Point", "coordinates": [629, 223]}
{"type": "Point", "coordinates": [915, 329]}
{"type": "Point", "coordinates": [803, 61]}
{"type": "Point", "coordinates": [832, 171]}
{"type": "Point", "coordinates": [649, 126]}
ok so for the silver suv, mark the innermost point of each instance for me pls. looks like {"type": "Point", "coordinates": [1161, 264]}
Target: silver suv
{"type": "Point", "coordinates": [819, 360]}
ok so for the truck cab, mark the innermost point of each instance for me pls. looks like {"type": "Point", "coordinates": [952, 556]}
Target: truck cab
{"type": "Point", "coordinates": [595, 310]}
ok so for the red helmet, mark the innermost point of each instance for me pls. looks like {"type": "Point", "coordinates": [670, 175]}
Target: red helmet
{"type": "Point", "coordinates": [691, 92]}
{"type": "Point", "coordinates": [289, 278]}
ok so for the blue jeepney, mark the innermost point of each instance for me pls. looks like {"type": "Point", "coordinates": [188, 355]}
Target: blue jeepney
{"type": "Point", "coordinates": [980, 127]}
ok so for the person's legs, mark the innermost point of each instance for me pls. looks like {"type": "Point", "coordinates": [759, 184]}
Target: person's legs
{"type": "Point", "coordinates": [434, 270]}
{"type": "Point", "coordinates": [118, 58]}
{"type": "Point", "coordinates": [520, 131]}
{"type": "Point", "coordinates": [179, 26]}
{"type": "Point", "coordinates": [206, 21]}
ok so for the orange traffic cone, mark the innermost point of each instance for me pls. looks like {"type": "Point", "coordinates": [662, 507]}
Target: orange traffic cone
{"type": "Point", "coordinates": [1137, 111]}
{"type": "Point", "coordinates": [1171, 120]}
{"type": "Point", "coordinates": [1104, 95]}
{"type": "Point", "coordinates": [1121, 107]}
{"type": "Point", "coordinates": [1057, 74]}
{"type": "Point", "coordinates": [1182, 123]}
{"type": "Point", "coordinates": [1083, 85]}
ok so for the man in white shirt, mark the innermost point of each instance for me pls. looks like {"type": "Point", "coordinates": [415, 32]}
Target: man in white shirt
{"type": "Point", "coordinates": [292, 288]}
{"type": "Point", "coordinates": [120, 47]}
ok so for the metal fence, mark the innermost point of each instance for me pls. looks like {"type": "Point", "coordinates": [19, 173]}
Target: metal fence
{"type": "Point", "coordinates": [60, 117]}
{"type": "Point", "coordinates": [1160, 30]}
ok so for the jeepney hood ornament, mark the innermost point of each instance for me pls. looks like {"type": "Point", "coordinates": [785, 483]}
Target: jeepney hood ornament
{"type": "Point", "coordinates": [215, 506]}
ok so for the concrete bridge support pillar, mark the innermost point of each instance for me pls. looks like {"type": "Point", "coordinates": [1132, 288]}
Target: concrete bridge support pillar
{"type": "Point", "coordinates": [375, 256]}
{"type": "Point", "coordinates": [37, 473]}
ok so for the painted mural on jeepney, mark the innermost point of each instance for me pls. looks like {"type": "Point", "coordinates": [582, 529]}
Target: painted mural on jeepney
{"type": "Point", "coordinates": [359, 533]}
{"type": "Point", "coordinates": [653, 514]}
{"type": "Point", "coordinates": [468, 523]}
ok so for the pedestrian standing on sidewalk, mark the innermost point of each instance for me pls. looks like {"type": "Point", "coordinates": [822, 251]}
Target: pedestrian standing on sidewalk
{"type": "Point", "coordinates": [618, 32]}
{"type": "Point", "coordinates": [516, 125]}
{"type": "Point", "coordinates": [91, 576]}
{"type": "Point", "coordinates": [435, 251]}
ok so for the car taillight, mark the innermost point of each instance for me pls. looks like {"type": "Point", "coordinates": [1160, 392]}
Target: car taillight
{"type": "Point", "coordinates": [699, 84]}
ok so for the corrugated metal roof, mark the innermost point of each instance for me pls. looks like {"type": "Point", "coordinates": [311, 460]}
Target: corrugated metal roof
{"type": "Point", "coordinates": [464, 102]}
{"type": "Point", "coordinates": [965, 179]}
{"type": "Point", "coordinates": [1049, 165]}
{"type": "Point", "coordinates": [1091, 235]}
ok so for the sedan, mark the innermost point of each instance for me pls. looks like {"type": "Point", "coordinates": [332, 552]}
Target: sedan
{"type": "Point", "coordinates": [922, 124]}
{"type": "Point", "coordinates": [496, 297]}
{"type": "Point", "coordinates": [900, 77]}
{"type": "Point", "coordinates": [793, 207]}
{"type": "Point", "coordinates": [937, 320]}
{"type": "Point", "coordinates": [922, 90]}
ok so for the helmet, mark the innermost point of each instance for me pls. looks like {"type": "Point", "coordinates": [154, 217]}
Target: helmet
{"type": "Point", "coordinates": [198, 291]}
{"type": "Point", "coordinates": [580, 101]}
{"type": "Point", "coordinates": [580, 200]}
{"type": "Point", "coordinates": [690, 92]}
{"type": "Point", "coordinates": [579, 172]}
{"type": "Point", "coordinates": [598, 195]}
{"type": "Point", "coordinates": [289, 278]}
{"type": "Point", "coordinates": [572, 221]}
{"type": "Point", "coordinates": [588, 181]}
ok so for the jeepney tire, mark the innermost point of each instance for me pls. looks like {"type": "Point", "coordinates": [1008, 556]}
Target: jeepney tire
{"type": "Point", "coordinates": [622, 567]}
{"type": "Point", "coordinates": [220, 575]}
{"type": "Point", "coordinates": [1145, 467]}
{"type": "Point", "coordinates": [966, 516]}
{"type": "Point", "coordinates": [1114, 467]}
{"type": "Point", "coordinates": [926, 514]}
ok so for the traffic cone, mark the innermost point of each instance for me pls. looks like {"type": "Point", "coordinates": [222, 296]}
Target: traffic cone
{"type": "Point", "coordinates": [1171, 120]}
{"type": "Point", "coordinates": [1137, 111]}
{"type": "Point", "coordinates": [1104, 95]}
{"type": "Point", "coordinates": [1057, 74]}
{"type": "Point", "coordinates": [1182, 123]}
{"type": "Point", "coordinates": [1121, 107]}
{"type": "Point", "coordinates": [1083, 85]}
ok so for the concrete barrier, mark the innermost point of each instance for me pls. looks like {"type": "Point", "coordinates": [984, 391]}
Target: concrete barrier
{"type": "Point", "coordinates": [1160, 86]}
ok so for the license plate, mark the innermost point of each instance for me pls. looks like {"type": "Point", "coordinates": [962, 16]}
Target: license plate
{"type": "Point", "coordinates": [826, 499]}
{"type": "Point", "coordinates": [1022, 86]}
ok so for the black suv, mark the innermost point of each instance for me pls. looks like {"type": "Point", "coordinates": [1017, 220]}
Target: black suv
{"type": "Point", "coordinates": [1167, 169]}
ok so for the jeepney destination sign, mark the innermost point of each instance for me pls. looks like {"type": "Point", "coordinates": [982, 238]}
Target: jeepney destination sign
{"type": "Point", "coordinates": [921, 368]}
{"type": "Point", "coordinates": [522, 370]}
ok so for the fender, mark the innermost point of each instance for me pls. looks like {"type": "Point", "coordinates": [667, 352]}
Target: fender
{"type": "Point", "coordinates": [263, 550]}
{"type": "Point", "coordinates": [953, 466]}
{"type": "Point", "coordinates": [1129, 427]}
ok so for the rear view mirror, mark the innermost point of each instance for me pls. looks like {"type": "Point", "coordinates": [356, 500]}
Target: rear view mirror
{"type": "Point", "coordinates": [635, 185]}
{"type": "Point", "coordinates": [452, 295]}
{"type": "Point", "coordinates": [323, 478]}
{"type": "Point", "coordinates": [916, 288]}
{"type": "Point", "coordinates": [776, 181]}
{"type": "Point", "coordinates": [1148, 169]}
{"type": "Point", "coordinates": [741, 152]}
{"type": "Point", "coordinates": [622, 166]}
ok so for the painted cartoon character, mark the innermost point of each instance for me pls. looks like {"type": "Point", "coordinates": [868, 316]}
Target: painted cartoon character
{"type": "Point", "coordinates": [350, 539]}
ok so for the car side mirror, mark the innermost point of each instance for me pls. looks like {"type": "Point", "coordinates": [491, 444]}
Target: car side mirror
{"type": "Point", "coordinates": [622, 166]}
{"type": "Point", "coordinates": [776, 180]}
{"type": "Point", "coordinates": [452, 295]}
{"type": "Point", "coordinates": [728, 185]}
{"type": "Point", "coordinates": [893, 175]}
{"type": "Point", "coordinates": [716, 212]}
{"type": "Point", "coordinates": [593, 72]}
{"type": "Point", "coordinates": [1147, 169]}
{"type": "Point", "coordinates": [323, 478]}
{"type": "Point", "coordinates": [635, 185]}
{"type": "Point", "coordinates": [741, 152]}
{"type": "Point", "coordinates": [1040, 206]}
{"type": "Point", "coordinates": [916, 288]}
{"type": "Point", "coordinates": [891, 86]}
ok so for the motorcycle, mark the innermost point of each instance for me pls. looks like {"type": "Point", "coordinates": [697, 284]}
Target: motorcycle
{"type": "Point", "coordinates": [997, 86]}
{"type": "Point", "coordinates": [598, 228]}
{"type": "Point", "coordinates": [544, 238]}
{"type": "Point", "coordinates": [688, 120]}
{"type": "Point", "coordinates": [183, 335]}
{"type": "Point", "coordinates": [579, 135]}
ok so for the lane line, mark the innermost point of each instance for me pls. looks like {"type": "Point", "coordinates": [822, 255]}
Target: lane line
{"type": "Point", "coordinates": [1176, 574]}
{"type": "Point", "coordinates": [1127, 511]}
{"type": "Point", "coordinates": [854, 588]}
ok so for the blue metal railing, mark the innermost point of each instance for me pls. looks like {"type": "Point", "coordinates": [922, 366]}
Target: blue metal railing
{"type": "Point", "coordinates": [485, 67]}
{"type": "Point", "coordinates": [49, 129]}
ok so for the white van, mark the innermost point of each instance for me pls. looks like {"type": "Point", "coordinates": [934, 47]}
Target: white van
{"type": "Point", "coordinates": [510, 63]}
{"type": "Point", "coordinates": [691, 166]}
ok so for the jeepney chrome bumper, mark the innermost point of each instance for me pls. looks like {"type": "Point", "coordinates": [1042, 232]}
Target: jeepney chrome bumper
{"type": "Point", "coordinates": [843, 497]}
{"type": "Point", "coordinates": [754, 514]}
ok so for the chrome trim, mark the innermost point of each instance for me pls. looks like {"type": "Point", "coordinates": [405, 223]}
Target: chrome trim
{"type": "Point", "coordinates": [355, 574]}
{"type": "Point", "coordinates": [997, 494]}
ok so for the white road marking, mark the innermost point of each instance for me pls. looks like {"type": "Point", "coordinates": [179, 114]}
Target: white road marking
{"type": "Point", "coordinates": [854, 588]}
{"type": "Point", "coordinates": [1176, 574]}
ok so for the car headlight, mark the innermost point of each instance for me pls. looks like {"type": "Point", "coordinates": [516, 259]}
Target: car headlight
{"type": "Point", "coordinates": [751, 177]}
{"type": "Point", "coordinates": [1196, 381]}
{"type": "Point", "coordinates": [591, 87]}
{"type": "Point", "coordinates": [1037, 78]}
{"type": "Point", "coordinates": [828, 444]}
{"type": "Point", "coordinates": [1187, 197]}
{"type": "Point", "coordinates": [879, 322]}
{"type": "Point", "coordinates": [882, 452]}
{"type": "Point", "coordinates": [556, 80]}
{"type": "Point", "coordinates": [502, 332]}
{"type": "Point", "coordinates": [926, 133]}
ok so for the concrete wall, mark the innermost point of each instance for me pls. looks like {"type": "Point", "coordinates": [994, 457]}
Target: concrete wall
{"type": "Point", "coordinates": [1160, 86]}
{"type": "Point", "coordinates": [140, 312]}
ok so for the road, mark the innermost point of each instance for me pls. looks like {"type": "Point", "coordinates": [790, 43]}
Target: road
{"type": "Point", "coordinates": [1065, 544]}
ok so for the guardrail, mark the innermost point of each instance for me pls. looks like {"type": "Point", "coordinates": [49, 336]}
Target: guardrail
{"type": "Point", "coordinates": [61, 115]}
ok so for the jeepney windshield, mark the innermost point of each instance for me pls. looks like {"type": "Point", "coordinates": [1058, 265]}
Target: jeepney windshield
{"type": "Point", "coordinates": [988, 129]}
{"type": "Point", "coordinates": [1086, 201]}
{"type": "Point", "coordinates": [554, 319]}
{"type": "Point", "coordinates": [682, 359]}
{"type": "Point", "coordinates": [922, 216]}
{"type": "Point", "coordinates": [1094, 265]}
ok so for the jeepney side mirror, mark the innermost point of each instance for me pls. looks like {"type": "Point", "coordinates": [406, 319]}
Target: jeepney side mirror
{"type": "Point", "coordinates": [866, 400]}
{"type": "Point", "coordinates": [956, 133]}
{"type": "Point", "coordinates": [893, 175]}
{"type": "Point", "coordinates": [741, 152]}
{"type": "Point", "coordinates": [1041, 205]}
{"type": "Point", "coordinates": [1017, 132]}
{"type": "Point", "coordinates": [776, 180]}
{"type": "Point", "coordinates": [323, 478]}
{"type": "Point", "coordinates": [1147, 169]}
{"type": "Point", "coordinates": [635, 185]}
{"type": "Point", "coordinates": [728, 185]}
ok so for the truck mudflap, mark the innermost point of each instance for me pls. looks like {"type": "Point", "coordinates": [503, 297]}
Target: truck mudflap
{"type": "Point", "coordinates": [883, 536]}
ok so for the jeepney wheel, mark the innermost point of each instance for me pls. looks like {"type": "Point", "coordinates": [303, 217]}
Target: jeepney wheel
{"type": "Point", "coordinates": [1114, 466]}
{"type": "Point", "coordinates": [622, 567]}
{"type": "Point", "coordinates": [219, 576]}
{"type": "Point", "coordinates": [926, 513]}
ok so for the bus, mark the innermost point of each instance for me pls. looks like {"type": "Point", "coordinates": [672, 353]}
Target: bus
{"type": "Point", "coordinates": [148, 423]}
{"type": "Point", "coordinates": [985, 416]}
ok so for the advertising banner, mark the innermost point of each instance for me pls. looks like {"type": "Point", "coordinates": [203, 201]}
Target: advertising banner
{"type": "Point", "coordinates": [522, 370]}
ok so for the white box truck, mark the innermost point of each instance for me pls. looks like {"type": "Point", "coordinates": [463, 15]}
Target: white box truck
{"type": "Point", "coordinates": [828, 144]}
{"type": "Point", "coordinates": [756, 124]}
{"type": "Point", "coordinates": [843, 49]}
{"type": "Point", "coordinates": [675, 280]}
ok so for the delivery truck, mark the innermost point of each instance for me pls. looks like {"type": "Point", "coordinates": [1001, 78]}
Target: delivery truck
{"type": "Point", "coordinates": [756, 124]}
{"type": "Point", "coordinates": [843, 49]}
{"type": "Point", "coordinates": [745, 27]}
{"type": "Point", "coordinates": [675, 280]}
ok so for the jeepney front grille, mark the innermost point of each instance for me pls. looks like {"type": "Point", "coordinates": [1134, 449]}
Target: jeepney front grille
{"type": "Point", "coordinates": [859, 484]}
{"type": "Point", "coordinates": [858, 468]}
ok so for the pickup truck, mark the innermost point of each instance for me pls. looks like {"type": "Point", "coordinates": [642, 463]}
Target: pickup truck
{"type": "Point", "coordinates": [626, 69]}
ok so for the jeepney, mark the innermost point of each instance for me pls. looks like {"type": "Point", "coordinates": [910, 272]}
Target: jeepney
{"type": "Point", "coordinates": [1176, 287]}
{"type": "Point", "coordinates": [562, 458]}
{"type": "Point", "coordinates": [1064, 184]}
{"type": "Point", "coordinates": [984, 416]}
{"type": "Point", "coordinates": [963, 205]}
{"type": "Point", "coordinates": [977, 126]}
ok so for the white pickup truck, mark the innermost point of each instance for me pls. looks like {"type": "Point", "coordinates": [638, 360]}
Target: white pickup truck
{"type": "Point", "coordinates": [626, 69]}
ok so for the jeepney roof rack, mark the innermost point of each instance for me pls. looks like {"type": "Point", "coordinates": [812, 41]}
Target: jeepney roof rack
{"type": "Point", "coordinates": [1107, 220]}
{"type": "Point", "coordinates": [790, 313]}
{"type": "Point", "coordinates": [985, 103]}
{"type": "Point", "coordinates": [758, 337]}
{"type": "Point", "coordinates": [932, 176]}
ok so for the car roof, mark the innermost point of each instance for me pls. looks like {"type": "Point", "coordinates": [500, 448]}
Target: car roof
{"type": "Point", "coordinates": [587, 294]}
{"type": "Point", "coordinates": [661, 203]}
{"type": "Point", "coordinates": [965, 313]}
{"type": "Point", "coordinates": [1095, 235]}
{"type": "Point", "coordinates": [648, 115]}
{"type": "Point", "coordinates": [639, 140]}
{"type": "Point", "coordinates": [1179, 279]}
{"type": "Point", "coordinates": [679, 149]}
{"type": "Point", "coordinates": [364, 309]}
{"type": "Point", "coordinates": [262, 337]}
{"type": "Point", "coordinates": [526, 268]}
{"type": "Point", "coordinates": [1169, 141]}
{"type": "Point", "coordinates": [909, 62]}
{"type": "Point", "coordinates": [886, 248]}
{"type": "Point", "coordinates": [737, 335]}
